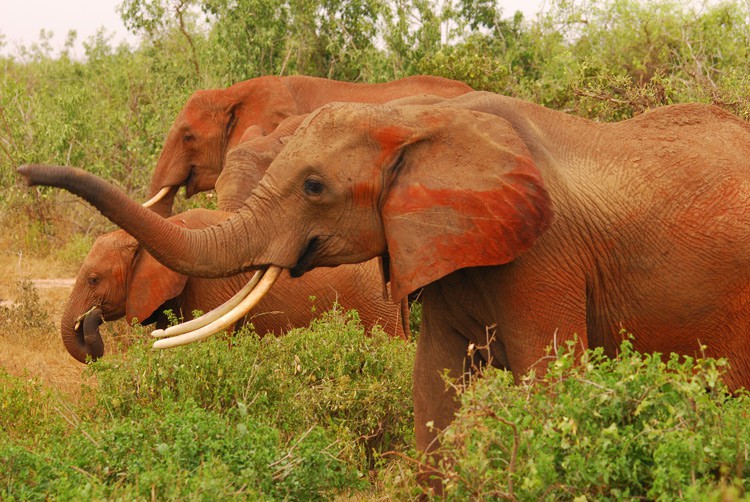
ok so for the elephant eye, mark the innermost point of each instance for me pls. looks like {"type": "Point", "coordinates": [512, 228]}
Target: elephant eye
{"type": "Point", "coordinates": [187, 137]}
{"type": "Point", "coordinates": [93, 280]}
{"type": "Point", "coordinates": [313, 187]}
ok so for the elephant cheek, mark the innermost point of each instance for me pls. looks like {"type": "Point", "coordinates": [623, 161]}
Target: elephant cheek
{"type": "Point", "coordinates": [201, 181]}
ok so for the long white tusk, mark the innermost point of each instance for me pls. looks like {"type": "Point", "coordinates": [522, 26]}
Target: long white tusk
{"type": "Point", "coordinates": [156, 198]}
{"type": "Point", "coordinates": [252, 299]}
{"type": "Point", "coordinates": [212, 315]}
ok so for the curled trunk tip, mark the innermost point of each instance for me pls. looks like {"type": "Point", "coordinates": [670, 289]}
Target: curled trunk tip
{"type": "Point", "coordinates": [83, 340]}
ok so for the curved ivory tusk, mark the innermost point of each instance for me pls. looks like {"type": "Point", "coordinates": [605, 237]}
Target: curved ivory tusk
{"type": "Point", "coordinates": [212, 315]}
{"type": "Point", "coordinates": [156, 198]}
{"type": "Point", "coordinates": [250, 301]}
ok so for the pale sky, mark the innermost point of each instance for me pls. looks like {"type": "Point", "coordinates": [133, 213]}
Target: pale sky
{"type": "Point", "coordinates": [22, 20]}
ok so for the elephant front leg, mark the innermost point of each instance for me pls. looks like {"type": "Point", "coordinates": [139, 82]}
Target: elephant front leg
{"type": "Point", "coordinates": [439, 349]}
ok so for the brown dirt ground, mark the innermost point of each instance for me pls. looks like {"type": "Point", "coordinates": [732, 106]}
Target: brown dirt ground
{"type": "Point", "coordinates": [37, 353]}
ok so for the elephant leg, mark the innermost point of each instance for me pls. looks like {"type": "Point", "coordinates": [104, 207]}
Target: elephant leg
{"type": "Point", "coordinates": [439, 348]}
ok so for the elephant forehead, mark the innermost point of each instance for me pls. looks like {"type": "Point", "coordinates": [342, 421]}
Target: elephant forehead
{"type": "Point", "coordinates": [330, 149]}
{"type": "Point", "coordinates": [110, 253]}
{"type": "Point", "coordinates": [342, 123]}
{"type": "Point", "coordinates": [113, 244]}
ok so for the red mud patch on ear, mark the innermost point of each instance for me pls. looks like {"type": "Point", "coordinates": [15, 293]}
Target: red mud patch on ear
{"type": "Point", "coordinates": [435, 231]}
{"type": "Point", "coordinates": [390, 139]}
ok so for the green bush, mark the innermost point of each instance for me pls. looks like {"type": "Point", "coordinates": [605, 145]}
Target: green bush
{"type": "Point", "coordinates": [299, 417]}
{"type": "Point", "coordinates": [633, 427]}
{"type": "Point", "coordinates": [326, 412]}
{"type": "Point", "coordinates": [28, 314]}
{"type": "Point", "coordinates": [328, 373]}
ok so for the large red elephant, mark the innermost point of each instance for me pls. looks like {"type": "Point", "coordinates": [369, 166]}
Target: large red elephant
{"type": "Point", "coordinates": [523, 225]}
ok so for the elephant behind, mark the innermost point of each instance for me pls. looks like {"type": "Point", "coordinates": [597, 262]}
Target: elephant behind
{"type": "Point", "coordinates": [121, 279]}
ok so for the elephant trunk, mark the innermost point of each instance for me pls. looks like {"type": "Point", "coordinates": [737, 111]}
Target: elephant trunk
{"type": "Point", "coordinates": [81, 337]}
{"type": "Point", "coordinates": [234, 245]}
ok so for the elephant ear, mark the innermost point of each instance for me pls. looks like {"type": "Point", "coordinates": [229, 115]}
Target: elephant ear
{"type": "Point", "coordinates": [263, 102]}
{"type": "Point", "coordinates": [151, 284]}
{"type": "Point", "coordinates": [461, 191]}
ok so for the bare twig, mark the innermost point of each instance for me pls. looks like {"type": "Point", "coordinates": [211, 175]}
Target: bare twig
{"type": "Point", "coordinates": [179, 10]}
{"type": "Point", "coordinates": [75, 423]}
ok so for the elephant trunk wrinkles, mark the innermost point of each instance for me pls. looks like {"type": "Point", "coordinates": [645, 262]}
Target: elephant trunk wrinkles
{"type": "Point", "coordinates": [82, 339]}
{"type": "Point", "coordinates": [221, 250]}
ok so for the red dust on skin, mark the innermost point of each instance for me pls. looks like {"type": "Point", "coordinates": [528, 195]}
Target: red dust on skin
{"type": "Point", "coordinates": [363, 194]}
{"type": "Point", "coordinates": [434, 121]}
{"type": "Point", "coordinates": [449, 229]}
{"type": "Point", "coordinates": [390, 139]}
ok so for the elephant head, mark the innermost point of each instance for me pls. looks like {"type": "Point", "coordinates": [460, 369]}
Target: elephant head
{"type": "Point", "coordinates": [430, 189]}
{"type": "Point", "coordinates": [212, 121]}
{"type": "Point", "coordinates": [117, 279]}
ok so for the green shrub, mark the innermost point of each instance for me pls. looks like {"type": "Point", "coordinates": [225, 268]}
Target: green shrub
{"type": "Point", "coordinates": [633, 427]}
{"type": "Point", "coordinates": [182, 449]}
{"type": "Point", "coordinates": [26, 409]}
{"type": "Point", "coordinates": [330, 373]}
{"type": "Point", "coordinates": [28, 312]}
{"type": "Point", "coordinates": [299, 417]}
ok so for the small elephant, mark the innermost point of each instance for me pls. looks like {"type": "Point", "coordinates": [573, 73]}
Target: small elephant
{"type": "Point", "coordinates": [212, 121]}
{"type": "Point", "coordinates": [522, 225]}
{"type": "Point", "coordinates": [121, 279]}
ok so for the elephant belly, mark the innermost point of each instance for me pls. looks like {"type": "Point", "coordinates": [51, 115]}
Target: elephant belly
{"type": "Point", "coordinates": [677, 309]}
{"type": "Point", "coordinates": [516, 316]}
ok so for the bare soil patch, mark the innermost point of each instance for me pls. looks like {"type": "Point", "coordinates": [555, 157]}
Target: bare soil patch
{"type": "Point", "coordinates": [34, 349]}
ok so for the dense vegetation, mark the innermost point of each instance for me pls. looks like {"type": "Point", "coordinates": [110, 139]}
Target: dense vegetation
{"type": "Point", "coordinates": [326, 412]}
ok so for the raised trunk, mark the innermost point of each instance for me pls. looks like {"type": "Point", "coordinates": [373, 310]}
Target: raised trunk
{"type": "Point", "coordinates": [81, 337]}
{"type": "Point", "coordinates": [221, 250]}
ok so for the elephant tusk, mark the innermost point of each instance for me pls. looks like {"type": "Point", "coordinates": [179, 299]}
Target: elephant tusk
{"type": "Point", "coordinates": [156, 198]}
{"type": "Point", "coordinates": [81, 317]}
{"type": "Point", "coordinates": [231, 317]}
{"type": "Point", "coordinates": [214, 314]}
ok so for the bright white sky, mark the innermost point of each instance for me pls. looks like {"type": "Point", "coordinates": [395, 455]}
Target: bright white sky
{"type": "Point", "coordinates": [22, 20]}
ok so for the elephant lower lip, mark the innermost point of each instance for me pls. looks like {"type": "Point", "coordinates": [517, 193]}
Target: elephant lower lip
{"type": "Point", "coordinates": [190, 188]}
{"type": "Point", "coordinates": [305, 259]}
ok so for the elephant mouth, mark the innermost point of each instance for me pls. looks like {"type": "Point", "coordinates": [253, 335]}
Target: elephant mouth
{"type": "Point", "coordinates": [190, 184]}
{"type": "Point", "coordinates": [305, 260]}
